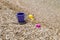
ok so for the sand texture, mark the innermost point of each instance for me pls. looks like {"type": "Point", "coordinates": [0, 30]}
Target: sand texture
{"type": "Point", "coordinates": [46, 12]}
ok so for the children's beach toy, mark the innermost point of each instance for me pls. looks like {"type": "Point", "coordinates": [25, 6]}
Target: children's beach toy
{"type": "Point", "coordinates": [31, 17]}
{"type": "Point", "coordinates": [20, 17]}
{"type": "Point", "coordinates": [38, 25]}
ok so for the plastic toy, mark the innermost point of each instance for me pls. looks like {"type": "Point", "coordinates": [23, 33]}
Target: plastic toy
{"type": "Point", "coordinates": [38, 25]}
{"type": "Point", "coordinates": [20, 17]}
{"type": "Point", "coordinates": [31, 17]}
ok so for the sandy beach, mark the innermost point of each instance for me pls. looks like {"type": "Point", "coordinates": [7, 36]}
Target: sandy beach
{"type": "Point", "coordinates": [46, 13]}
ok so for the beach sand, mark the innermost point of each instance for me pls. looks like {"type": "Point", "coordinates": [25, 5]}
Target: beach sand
{"type": "Point", "coordinates": [46, 13]}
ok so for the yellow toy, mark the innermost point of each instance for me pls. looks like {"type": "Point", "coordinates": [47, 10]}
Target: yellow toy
{"type": "Point", "coordinates": [31, 17]}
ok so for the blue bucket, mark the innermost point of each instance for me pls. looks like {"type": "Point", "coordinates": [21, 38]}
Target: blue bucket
{"type": "Point", "coordinates": [21, 17]}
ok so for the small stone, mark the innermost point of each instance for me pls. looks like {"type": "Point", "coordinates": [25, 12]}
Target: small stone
{"type": "Point", "coordinates": [38, 25]}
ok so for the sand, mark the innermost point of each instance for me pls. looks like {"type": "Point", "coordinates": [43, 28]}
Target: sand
{"type": "Point", "coordinates": [46, 13]}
